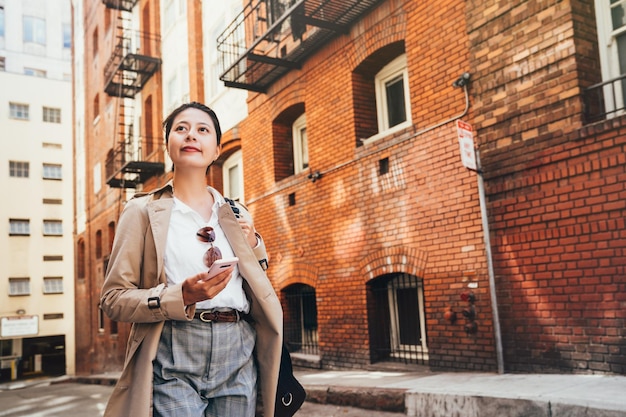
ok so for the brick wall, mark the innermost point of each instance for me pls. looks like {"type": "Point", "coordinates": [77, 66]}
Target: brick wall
{"type": "Point", "coordinates": [355, 224]}
{"type": "Point", "coordinates": [555, 188]}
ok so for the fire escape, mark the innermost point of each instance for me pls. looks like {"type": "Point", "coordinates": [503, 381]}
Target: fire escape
{"type": "Point", "coordinates": [271, 37]}
{"type": "Point", "coordinates": [135, 158]}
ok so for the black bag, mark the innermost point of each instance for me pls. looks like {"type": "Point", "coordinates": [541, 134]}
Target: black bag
{"type": "Point", "coordinates": [290, 393]}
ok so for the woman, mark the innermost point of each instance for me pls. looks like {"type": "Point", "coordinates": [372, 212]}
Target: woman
{"type": "Point", "coordinates": [190, 347]}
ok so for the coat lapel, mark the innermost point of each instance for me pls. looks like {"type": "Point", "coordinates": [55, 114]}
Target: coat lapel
{"type": "Point", "coordinates": [159, 213]}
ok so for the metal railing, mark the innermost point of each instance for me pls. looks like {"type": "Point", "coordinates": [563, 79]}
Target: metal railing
{"type": "Point", "coordinates": [396, 319]}
{"type": "Point", "coordinates": [300, 325]}
{"type": "Point", "coordinates": [271, 37]}
{"type": "Point", "coordinates": [604, 100]}
{"type": "Point", "coordinates": [134, 60]}
{"type": "Point", "coordinates": [134, 161]}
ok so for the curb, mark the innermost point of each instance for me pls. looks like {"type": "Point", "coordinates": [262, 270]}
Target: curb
{"type": "Point", "coordinates": [379, 399]}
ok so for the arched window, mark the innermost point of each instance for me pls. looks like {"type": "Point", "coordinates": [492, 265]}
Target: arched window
{"type": "Point", "coordinates": [99, 244]}
{"type": "Point", "coordinates": [232, 175]}
{"type": "Point", "coordinates": [396, 319]}
{"type": "Point", "coordinates": [80, 259]}
{"type": "Point", "coordinates": [111, 233]}
{"type": "Point", "coordinates": [300, 145]}
{"type": "Point", "coordinates": [301, 319]}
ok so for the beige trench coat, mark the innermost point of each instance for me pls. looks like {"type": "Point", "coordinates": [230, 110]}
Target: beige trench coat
{"type": "Point", "coordinates": [135, 273]}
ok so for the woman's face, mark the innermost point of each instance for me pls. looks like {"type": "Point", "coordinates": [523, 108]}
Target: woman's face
{"type": "Point", "coordinates": [192, 141]}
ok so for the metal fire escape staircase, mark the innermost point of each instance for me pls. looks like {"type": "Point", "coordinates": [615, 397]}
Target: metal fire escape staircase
{"type": "Point", "coordinates": [134, 158]}
{"type": "Point", "coordinates": [271, 37]}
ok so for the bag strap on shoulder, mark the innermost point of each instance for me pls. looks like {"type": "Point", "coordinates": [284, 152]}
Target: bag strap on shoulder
{"type": "Point", "coordinates": [263, 262]}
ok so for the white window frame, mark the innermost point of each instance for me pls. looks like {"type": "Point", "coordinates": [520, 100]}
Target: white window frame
{"type": "Point", "coordinates": [2, 23]}
{"type": "Point", "coordinates": [53, 228]}
{"type": "Point", "coordinates": [235, 161]}
{"type": "Point", "coordinates": [53, 285]}
{"type": "Point", "coordinates": [609, 54]}
{"type": "Point", "coordinates": [52, 171]}
{"type": "Point", "coordinates": [51, 114]}
{"type": "Point", "coordinates": [19, 169]}
{"type": "Point", "coordinates": [34, 72]}
{"type": "Point", "coordinates": [394, 69]}
{"type": "Point", "coordinates": [67, 34]}
{"type": "Point", "coordinates": [19, 227]}
{"type": "Point", "coordinates": [19, 286]}
{"type": "Point", "coordinates": [19, 111]}
{"type": "Point", "coordinates": [300, 145]}
{"type": "Point", "coordinates": [37, 33]}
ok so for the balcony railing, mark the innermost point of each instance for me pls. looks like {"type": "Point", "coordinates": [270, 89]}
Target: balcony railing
{"type": "Point", "coordinates": [270, 38]}
{"type": "Point", "coordinates": [133, 162]}
{"type": "Point", "coordinates": [126, 5]}
{"type": "Point", "coordinates": [605, 100]}
{"type": "Point", "coordinates": [133, 62]}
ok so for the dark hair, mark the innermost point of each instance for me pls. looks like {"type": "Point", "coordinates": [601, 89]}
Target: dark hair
{"type": "Point", "coordinates": [169, 120]}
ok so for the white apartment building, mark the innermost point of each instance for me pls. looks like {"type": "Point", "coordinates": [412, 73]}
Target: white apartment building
{"type": "Point", "coordinates": [36, 178]}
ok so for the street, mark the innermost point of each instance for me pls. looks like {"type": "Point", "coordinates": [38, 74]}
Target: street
{"type": "Point", "coordinates": [80, 400]}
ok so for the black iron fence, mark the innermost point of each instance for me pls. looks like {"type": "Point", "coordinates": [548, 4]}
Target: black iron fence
{"type": "Point", "coordinates": [396, 319]}
{"type": "Point", "coordinates": [300, 328]}
{"type": "Point", "coordinates": [604, 100]}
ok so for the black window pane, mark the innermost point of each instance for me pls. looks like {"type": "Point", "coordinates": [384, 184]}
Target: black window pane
{"type": "Point", "coordinates": [408, 316]}
{"type": "Point", "coordinates": [396, 110]}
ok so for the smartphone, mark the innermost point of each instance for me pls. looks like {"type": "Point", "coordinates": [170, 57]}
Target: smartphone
{"type": "Point", "coordinates": [220, 265]}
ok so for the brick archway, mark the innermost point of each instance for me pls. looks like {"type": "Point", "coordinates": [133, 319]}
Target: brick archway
{"type": "Point", "coordinates": [295, 273]}
{"type": "Point", "coordinates": [401, 259]}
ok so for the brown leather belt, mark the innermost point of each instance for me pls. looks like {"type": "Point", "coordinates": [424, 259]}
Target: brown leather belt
{"type": "Point", "coordinates": [212, 316]}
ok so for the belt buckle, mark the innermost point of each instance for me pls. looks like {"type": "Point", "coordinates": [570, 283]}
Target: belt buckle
{"type": "Point", "coordinates": [211, 314]}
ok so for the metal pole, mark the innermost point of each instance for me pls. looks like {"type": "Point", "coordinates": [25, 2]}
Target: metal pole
{"type": "Point", "coordinates": [492, 280]}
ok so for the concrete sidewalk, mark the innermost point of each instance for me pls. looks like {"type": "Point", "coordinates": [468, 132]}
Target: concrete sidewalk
{"type": "Point", "coordinates": [446, 394]}
{"type": "Point", "coordinates": [431, 394]}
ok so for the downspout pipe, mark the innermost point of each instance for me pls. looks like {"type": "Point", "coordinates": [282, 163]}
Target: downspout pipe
{"type": "Point", "coordinates": [492, 278]}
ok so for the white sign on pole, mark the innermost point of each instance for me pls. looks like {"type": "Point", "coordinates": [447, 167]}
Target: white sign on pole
{"type": "Point", "coordinates": [19, 326]}
{"type": "Point", "coordinates": [466, 143]}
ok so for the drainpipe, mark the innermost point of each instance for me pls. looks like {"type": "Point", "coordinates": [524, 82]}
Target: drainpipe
{"type": "Point", "coordinates": [492, 279]}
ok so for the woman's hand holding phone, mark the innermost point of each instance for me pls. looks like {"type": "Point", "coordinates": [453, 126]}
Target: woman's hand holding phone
{"type": "Point", "coordinates": [207, 285]}
{"type": "Point", "coordinates": [221, 265]}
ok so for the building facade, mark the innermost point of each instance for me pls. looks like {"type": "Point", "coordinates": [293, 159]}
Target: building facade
{"type": "Point", "coordinates": [392, 243]}
{"type": "Point", "coordinates": [135, 62]}
{"type": "Point", "coordinates": [36, 280]}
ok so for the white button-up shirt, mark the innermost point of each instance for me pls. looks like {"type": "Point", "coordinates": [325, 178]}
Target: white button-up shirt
{"type": "Point", "coordinates": [184, 253]}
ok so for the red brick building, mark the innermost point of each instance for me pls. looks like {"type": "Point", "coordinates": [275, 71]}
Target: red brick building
{"type": "Point", "coordinates": [375, 228]}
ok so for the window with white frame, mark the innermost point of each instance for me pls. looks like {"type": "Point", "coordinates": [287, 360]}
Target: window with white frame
{"type": "Point", "coordinates": [34, 30]}
{"type": "Point", "coordinates": [33, 72]}
{"type": "Point", "coordinates": [172, 92]}
{"type": "Point", "coordinates": [53, 285]}
{"type": "Point", "coordinates": [19, 286]}
{"type": "Point", "coordinates": [19, 227]}
{"type": "Point", "coordinates": [174, 9]}
{"type": "Point", "coordinates": [67, 34]}
{"type": "Point", "coordinates": [18, 169]}
{"type": "Point", "coordinates": [392, 96]}
{"type": "Point", "coordinates": [52, 172]}
{"type": "Point", "coordinates": [51, 115]}
{"type": "Point", "coordinates": [100, 320]}
{"type": "Point", "coordinates": [232, 173]}
{"type": "Point", "coordinates": [611, 26]}
{"type": "Point", "coordinates": [18, 111]}
{"type": "Point", "coordinates": [53, 228]}
{"type": "Point", "coordinates": [1, 21]}
{"type": "Point", "coordinates": [300, 145]}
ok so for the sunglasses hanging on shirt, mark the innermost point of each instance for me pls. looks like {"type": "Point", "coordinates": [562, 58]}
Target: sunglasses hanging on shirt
{"type": "Point", "coordinates": [207, 235]}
